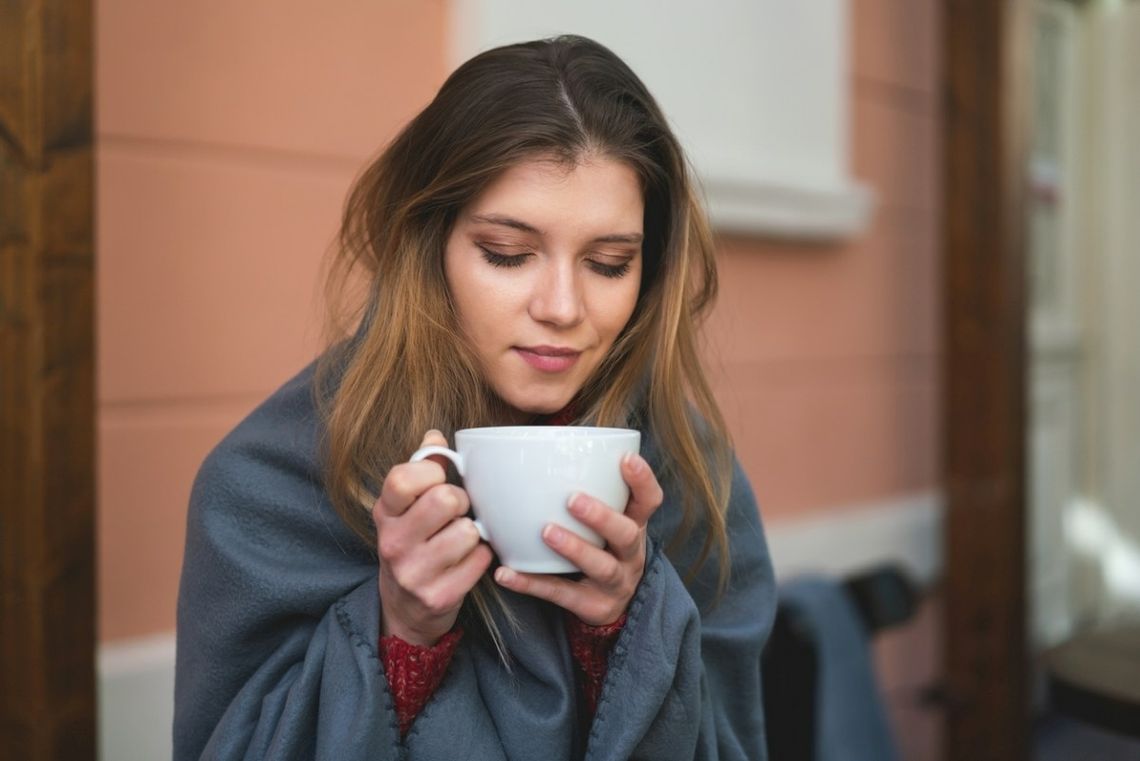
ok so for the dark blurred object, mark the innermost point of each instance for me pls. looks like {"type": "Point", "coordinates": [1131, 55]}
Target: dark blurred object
{"type": "Point", "coordinates": [1095, 677]}
{"type": "Point", "coordinates": [884, 596]}
{"type": "Point", "coordinates": [817, 664]}
{"type": "Point", "coordinates": [1059, 738]}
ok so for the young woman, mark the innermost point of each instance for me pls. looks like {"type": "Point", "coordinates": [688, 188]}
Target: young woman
{"type": "Point", "coordinates": [531, 251]}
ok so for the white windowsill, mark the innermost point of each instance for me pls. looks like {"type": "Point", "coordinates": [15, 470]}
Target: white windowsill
{"type": "Point", "coordinates": [778, 209]}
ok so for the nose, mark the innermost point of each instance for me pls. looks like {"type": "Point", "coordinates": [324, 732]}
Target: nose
{"type": "Point", "coordinates": [557, 299]}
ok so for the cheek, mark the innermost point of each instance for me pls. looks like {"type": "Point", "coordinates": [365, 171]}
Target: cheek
{"type": "Point", "coordinates": [621, 308]}
{"type": "Point", "coordinates": [487, 303]}
{"type": "Point", "coordinates": [464, 286]}
{"type": "Point", "coordinates": [483, 303]}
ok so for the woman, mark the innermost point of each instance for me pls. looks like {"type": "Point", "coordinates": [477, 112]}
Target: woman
{"type": "Point", "coordinates": [532, 252]}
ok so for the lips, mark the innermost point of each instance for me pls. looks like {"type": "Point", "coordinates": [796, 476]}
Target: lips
{"type": "Point", "coordinates": [548, 359]}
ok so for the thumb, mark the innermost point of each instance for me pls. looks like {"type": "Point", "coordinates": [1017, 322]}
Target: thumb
{"type": "Point", "coordinates": [435, 438]}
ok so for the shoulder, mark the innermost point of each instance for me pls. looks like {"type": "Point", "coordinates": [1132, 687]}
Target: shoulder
{"type": "Point", "coordinates": [749, 561]}
{"type": "Point", "coordinates": [280, 434]}
{"type": "Point", "coordinates": [264, 477]}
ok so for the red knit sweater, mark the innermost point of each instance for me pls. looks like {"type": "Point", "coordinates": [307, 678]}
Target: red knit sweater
{"type": "Point", "coordinates": [415, 671]}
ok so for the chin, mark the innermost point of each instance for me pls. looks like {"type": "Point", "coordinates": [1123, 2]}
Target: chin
{"type": "Point", "coordinates": [540, 409]}
{"type": "Point", "coordinates": [543, 406]}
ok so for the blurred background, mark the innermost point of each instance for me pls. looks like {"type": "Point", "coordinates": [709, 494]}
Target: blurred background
{"type": "Point", "coordinates": [226, 136]}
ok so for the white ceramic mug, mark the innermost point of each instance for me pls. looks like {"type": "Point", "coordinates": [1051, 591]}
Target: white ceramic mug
{"type": "Point", "coordinates": [521, 478]}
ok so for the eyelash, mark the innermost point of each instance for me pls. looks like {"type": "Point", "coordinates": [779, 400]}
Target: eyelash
{"type": "Point", "coordinates": [502, 260]}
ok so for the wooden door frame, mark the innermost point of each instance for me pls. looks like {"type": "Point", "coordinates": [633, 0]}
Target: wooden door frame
{"type": "Point", "coordinates": [986, 75]}
{"type": "Point", "coordinates": [47, 389]}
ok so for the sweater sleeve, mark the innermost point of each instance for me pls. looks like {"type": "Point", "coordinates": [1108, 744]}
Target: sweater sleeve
{"type": "Point", "coordinates": [415, 671]}
{"type": "Point", "coordinates": [591, 646]}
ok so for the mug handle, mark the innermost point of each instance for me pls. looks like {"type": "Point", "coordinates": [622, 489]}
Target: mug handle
{"type": "Point", "coordinates": [424, 452]}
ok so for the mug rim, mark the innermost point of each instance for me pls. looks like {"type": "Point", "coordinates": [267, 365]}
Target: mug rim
{"type": "Point", "coordinates": [531, 431]}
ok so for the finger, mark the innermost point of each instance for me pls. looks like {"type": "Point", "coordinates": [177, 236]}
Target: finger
{"type": "Point", "coordinates": [621, 533]}
{"type": "Point", "coordinates": [435, 438]}
{"type": "Point", "coordinates": [589, 605]}
{"type": "Point", "coordinates": [402, 535]}
{"type": "Point", "coordinates": [405, 483]}
{"type": "Point", "coordinates": [449, 587]}
{"type": "Point", "coordinates": [598, 564]}
{"type": "Point", "coordinates": [428, 562]}
{"type": "Point", "coordinates": [452, 543]}
{"type": "Point", "coordinates": [435, 509]}
{"type": "Point", "coordinates": [547, 587]}
{"type": "Point", "coordinates": [645, 494]}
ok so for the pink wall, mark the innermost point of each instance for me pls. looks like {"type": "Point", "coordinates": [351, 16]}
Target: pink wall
{"type": "Point", "coordinates": [228, 136]}
{"type": "Point", "coordinates": [829, 355]}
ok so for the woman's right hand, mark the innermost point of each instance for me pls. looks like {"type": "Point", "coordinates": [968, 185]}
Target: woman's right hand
{"type": "Point", "coordinates": [430, 554]}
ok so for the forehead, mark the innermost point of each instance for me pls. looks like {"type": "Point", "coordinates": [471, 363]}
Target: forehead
{"type": "Point", "coordinates": [595, 194]}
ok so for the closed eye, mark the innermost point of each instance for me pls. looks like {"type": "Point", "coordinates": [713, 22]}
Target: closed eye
{"type": "Point", "coordinates": [502, 260]}
{"type": "Point", "coordinates": [604, 269]}
{"type": "Point", "coordinates": [609, 270]}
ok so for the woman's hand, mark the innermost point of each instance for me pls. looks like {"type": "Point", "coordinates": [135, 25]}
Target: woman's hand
{"type": "Point", "coordinates": [612, 573]}
{"type": "Point", "coordinates": [430, 554]}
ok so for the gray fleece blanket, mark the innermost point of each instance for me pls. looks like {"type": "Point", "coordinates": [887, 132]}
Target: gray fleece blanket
{"type": "Point", "coordinates": [278, 622]}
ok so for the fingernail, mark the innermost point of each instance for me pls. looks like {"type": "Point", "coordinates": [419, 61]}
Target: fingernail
{"type": "Point", "coordinates": [576, 504]}
{"type": "Point", "coordinates": [634, 461]}
{"type": "Point", "coordinates": [553, 534]}
{"type": "Point", "coordinates": [504, 575]}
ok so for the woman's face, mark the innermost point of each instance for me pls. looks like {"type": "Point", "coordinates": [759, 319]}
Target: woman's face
{"type": "Point", "coordinates": [544, 268]}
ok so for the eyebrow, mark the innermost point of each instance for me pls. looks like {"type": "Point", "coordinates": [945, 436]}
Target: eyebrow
{"type": "Point", "coordinates": [516, 224]}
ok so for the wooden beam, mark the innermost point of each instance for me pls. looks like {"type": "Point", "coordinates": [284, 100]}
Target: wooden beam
{"type": "Point", "coordinates": [47, 404]}
{"type": "Point", "coordinates": [986, 84]}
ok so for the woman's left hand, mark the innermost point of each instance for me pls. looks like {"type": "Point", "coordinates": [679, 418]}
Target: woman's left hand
{"type": "Point", "coordinates": [611, 573]}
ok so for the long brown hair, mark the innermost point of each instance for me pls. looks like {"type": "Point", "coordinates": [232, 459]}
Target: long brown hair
{"type": "Point", "coordinates": [407, 368]}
